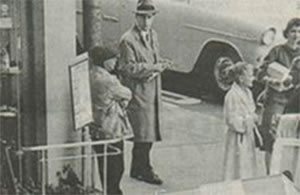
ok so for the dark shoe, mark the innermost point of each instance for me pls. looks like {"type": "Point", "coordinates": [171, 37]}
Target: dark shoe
{"type": "Point", "coordinates": [150, 178]}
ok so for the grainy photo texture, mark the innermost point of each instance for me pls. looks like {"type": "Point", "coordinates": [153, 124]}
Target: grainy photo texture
{"type": "Point", "coordinates": [149, 97]}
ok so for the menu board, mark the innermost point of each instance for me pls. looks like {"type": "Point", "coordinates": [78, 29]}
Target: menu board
{"type": "Point", "coordinates": [5, 23]}
{"type": "Point", "coordinates": [80, 91]}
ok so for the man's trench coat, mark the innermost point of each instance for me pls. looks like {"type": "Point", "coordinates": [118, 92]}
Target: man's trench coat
{"type": "Point", "coordinates": [135, 66]}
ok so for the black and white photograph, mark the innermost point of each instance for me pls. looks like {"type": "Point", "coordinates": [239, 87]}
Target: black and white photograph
{"type": "Point", "coordinates": [149, 97]}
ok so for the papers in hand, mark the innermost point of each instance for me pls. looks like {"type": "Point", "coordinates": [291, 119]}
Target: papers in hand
{"type": "Point", "coordinates": [153, 75]}
{"type": "Point", "coordinates": [279, 72]}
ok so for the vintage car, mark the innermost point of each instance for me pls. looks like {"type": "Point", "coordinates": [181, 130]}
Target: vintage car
{"type": "Point", "coordinates": [196, 39]}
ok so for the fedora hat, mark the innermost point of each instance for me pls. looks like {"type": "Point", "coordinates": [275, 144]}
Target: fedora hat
{"type": "Point", "coordinates": [145, 7]}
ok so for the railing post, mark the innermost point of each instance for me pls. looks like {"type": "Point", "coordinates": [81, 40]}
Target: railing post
{"type": "Point", "coordinates": [93, 169]}
{"type": "Point", "coordinates": [43, 149]}
{"type": "Point", "coordinates": [83, 153]}
{"type": "Point", "coordinates": [105, 170]}
{"type": "Point", "coordinates": [43, 172]}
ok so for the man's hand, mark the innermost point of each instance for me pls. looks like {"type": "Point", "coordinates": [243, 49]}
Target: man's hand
{"type": "Point", "coordinates": [166, 63]}
{"type": "Point", "coordinates": [163, 65]}
{"type": "Point", "coordinates": [159, 67]}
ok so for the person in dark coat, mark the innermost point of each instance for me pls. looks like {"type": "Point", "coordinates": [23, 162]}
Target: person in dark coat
{"type": "Point", "coordinates": [275, 101]}
{"type": "Point", "coordinates": [140, 66]}
{"type": "Point", "coordinates": [293, 105]}
{"type": "Point", "coordinates": [109, 100]}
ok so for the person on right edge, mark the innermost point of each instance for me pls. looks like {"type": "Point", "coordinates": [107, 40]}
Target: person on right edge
{"type": "Point", "coordinates": [293, 105]}
{"type": "Point", "coordinates": [276, 101]}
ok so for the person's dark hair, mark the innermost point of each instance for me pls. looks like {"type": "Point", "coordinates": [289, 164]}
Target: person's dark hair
{"type": "Point", "coordinates": [292, 22]}
{"type": "Point", "coordinates": [100, 54]}
{"type": "Point", "coordinates": [236, 70]}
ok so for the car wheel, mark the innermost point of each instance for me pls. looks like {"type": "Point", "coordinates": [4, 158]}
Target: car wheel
{"type": "Point", "coordinates": [209, 70]}
{"type": "Point", "coordinates": [217, 81]}
{"type": "Point", "coordinates": [220, 72]}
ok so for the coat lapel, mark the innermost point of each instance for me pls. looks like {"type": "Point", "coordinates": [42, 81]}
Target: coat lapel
{"type": "Point", "coordinates": [148, 52]}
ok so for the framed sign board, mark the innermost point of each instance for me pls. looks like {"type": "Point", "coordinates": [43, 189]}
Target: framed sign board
{"type": "Point", "coordinates": [5, 23]}
{"type": "Point", "coordinates": [80, 91]}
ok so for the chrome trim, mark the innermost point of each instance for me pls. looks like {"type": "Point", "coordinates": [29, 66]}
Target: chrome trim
{"type": "Point", "coordinates": [227, 34]}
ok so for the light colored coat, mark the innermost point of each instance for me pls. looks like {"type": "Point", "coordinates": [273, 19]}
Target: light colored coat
{"type": "Point", "coordinates": [239, 112]}
{"type": "Point", "coordinates": [135, 66]}
{"type": "Point", "coordinates": [110, 120]}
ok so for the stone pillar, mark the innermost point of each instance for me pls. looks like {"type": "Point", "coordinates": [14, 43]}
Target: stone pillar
{"type": "Point", "coordinates": [92, 18]}
{"type": "Point", "coordinates": [48, 47]}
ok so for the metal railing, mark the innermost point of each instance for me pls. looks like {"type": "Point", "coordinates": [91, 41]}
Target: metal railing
{"type": "Point", "coordinates": [43, 149]}
{"type": "Point", "coordinates": [278, 152]}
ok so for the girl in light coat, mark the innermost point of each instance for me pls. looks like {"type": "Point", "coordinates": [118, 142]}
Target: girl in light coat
{"type": "Point", "coordinates": [240, 117]}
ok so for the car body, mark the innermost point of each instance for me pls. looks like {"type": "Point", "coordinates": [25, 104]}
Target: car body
{"type": "Point", "coordinates": [194, 38]}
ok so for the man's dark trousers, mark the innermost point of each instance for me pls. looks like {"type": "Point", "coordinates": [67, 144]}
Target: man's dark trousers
{"type": "Point", "coordinates": [140, 164]}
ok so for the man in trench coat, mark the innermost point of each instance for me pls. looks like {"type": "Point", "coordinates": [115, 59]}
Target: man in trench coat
{"type": "Point", "coordinates": [140, 67]}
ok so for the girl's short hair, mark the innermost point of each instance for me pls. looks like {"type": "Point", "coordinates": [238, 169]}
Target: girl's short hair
{"type": "Point", "coordinates": [100, 54]}
{"type": "Point", "coordinates": [292, 22]}
{"type": "Point", "coordinates": [236, 70]}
